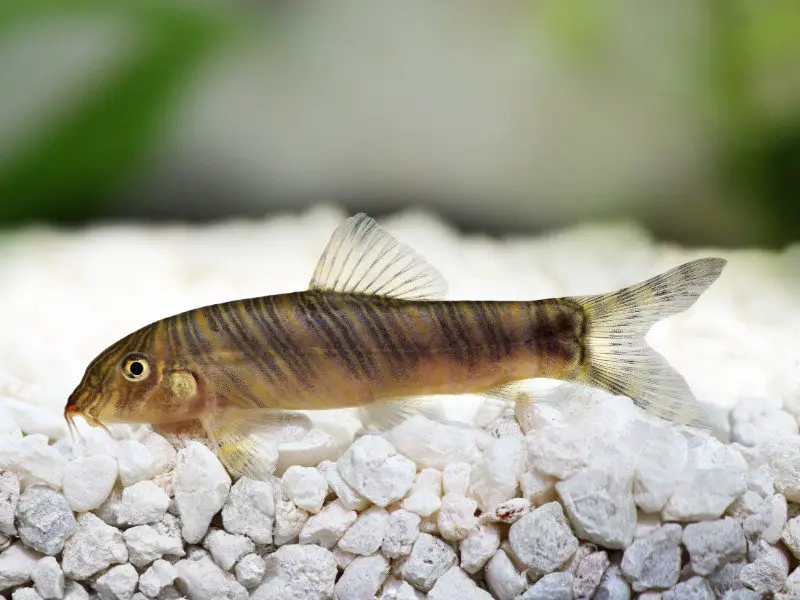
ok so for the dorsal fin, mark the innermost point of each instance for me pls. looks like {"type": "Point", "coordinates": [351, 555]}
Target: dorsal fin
{"type": "Point", "coordinates": [362, 258]}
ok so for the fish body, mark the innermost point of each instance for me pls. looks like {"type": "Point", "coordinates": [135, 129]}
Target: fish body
{"type": "Point", "coordinates": [373, 331]}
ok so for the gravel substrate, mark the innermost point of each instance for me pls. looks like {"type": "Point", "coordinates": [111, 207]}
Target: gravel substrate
{"type": "Point", "coordinates": [579, 495]}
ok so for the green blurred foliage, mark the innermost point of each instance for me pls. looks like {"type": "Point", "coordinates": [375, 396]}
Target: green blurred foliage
{"type": "Point", "coordinates": [70, 171]}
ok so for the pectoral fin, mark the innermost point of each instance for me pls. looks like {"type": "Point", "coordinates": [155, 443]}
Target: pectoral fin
{"type": "Point", "coordinates": [246, 440]}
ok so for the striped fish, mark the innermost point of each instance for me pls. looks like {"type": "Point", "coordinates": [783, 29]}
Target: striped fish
{"type": "Point", "coordinates": [373, 331]}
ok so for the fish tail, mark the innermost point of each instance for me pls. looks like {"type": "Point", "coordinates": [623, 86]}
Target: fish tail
{"type": "Point", "coordinates": [616, 357]}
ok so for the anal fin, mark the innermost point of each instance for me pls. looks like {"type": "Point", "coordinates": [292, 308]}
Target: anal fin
{"type": "Point", "coordinates": [246, 440]}
{"type": "Point", "coordinates": [384, 414]}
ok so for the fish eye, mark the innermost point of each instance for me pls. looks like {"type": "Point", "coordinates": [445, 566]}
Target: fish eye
{"type": "Point", "coordinates": [135, 367]}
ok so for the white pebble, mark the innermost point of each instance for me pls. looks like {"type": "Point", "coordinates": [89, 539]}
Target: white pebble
{"type": "Point", "coordinates": [401, 533]}
{"type": "Point", "coordinates": [712, 544]}
{"type": "Point", "coordinates": [768, 572]}
{"type": "Point", "coordinates": [298, 571]}
{"type": "Point", "coordinates": [25, 594]}
{"type": "Point", "coordinates": [118, 583]}
{"type": "Point", "coordinates": [613, 586]}
{"type": "Point", "coordinates": [135, 461]}
{"type": "Point", "coordinates": [9, 496]}
{"type": "Point", "coordinates": [156, 578]}
{"type": "Point", "coordinates": [250, 570]}
{"type": "Point", "coordinates": [250, 510]}
{"type": "Point", "coordinates": [143, 502]}
{"type": "Point", "coordinates": [543, 539]}
{"type": "Point", "coordinates": [791, 536]}
{"type": "Point", "coordinates": [754, 421]}
{"type": "Point", "coordinates": [589, 574]}
{"type": "Point", "coordinates": [95, 441]}
{"type": "Point", "coordinates": [432, 444]}
{"type": "Point", "coordinates": [479, 547]}
{"type": "Point", "coordinates": [660, 456]}
{"type": "Point", "coordinates": [32, 419]}
{"type": "Point", "coordinates": [350, 498]}
{"type": "Point", "coordinates": [204, 580]}
{"type": "Point", "coordinates": [559, 450]}
{"type": "Point", "coordinates": [145, 545]}
{"type": "Point", "coordinates": [395, 589]}
{"type": "Point", "coordinates": [289, 520]}
{"type": "Point", "coordinates": [375, 470]}
{"type": "Point", "coordinates": [555, 586]}
{"type": "Point", "coordinates": [507, 512]}
{"type": "Point", "coordinates": [92, 548]}
{"type": "Point", "coordinates": [328, 526]}
{"type": "Point", "coordinates": [430, 558]}
{"type": "Point", "coordinates": [600, 506]}
{"type": "Point", "coordinates": [201, 488]}
{"type": "Point", "coordinates": [227, 548]}
{"type": "Point", "coordinates": [696, 588]}
{"type": "Point", "coordinates": [362, 578]}
{"type": "Point", "coordinates": [503, 579]}
{"type": "Point", "coordinates": [366, 534]}
{"type": "Point", "coordinates": [456, 478]}
{"type": "Point", "coordinates": [17, 563]}
{"type": "Point", "coordinates": [654, 561]}
{"type": "Point", "coordinates": [48, 578]}
{"type": "Point", "coordinates": [457, 518]}
{"type": "Point", "coordinates": [74, 591]}
{"type": "Point", "coordinates": [311, 449]}
{"type": "Point", "coordinates": [306, 487]}
{"type": "Point", "coordinates": [537, 487]}
{"type": "Point", "coordinates": [454, 584]}
{"type": "Point", "coordinates": [713, 479]}
{"type": "Point", "coordinates": [768, 521]}
{"type": "Point", "coordinates": [342, 557]}
{"type": "Point", "coordinates": [88, 481]}
{"type": "Point", "coordinates": [494, 477]}
{"type": "Point", "coordinates": [162, 451]}
{"type": "Point", "coordinates": [33, 459]}
{"type": "Point", "coordinates": [44, 520]}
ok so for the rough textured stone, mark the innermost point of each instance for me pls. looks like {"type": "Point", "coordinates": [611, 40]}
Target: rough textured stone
{"type": "Point", "coordinates": [494, 477]}
{"type": "Point", "coordinates": [479, 547]}
{"type": "Point", "coordinates": [250, 570]}
{"type": "Point", "coordinates": [88, 481]}
{"type": "Point", "coordinates": [135, 462]}
{"type": "Point", "coordinates": [250, 510]}
{"type": "Point", "coordinates": [768, 571]}
{"type": "Point", "coordinates": [432, 444]}
{"type": "Point", "coordinates": [784, 460]}
{"type": "Point", "coordinates": [712, 544]}
{"type": "Point", "coordinates": [660, 457]}
{"type": "Point", "coordinates": [791, 536]}
{"type": "Point", "coordinates": [306, 487]}
{"type": "Point", "coordinates": [45, 520]}
{"type": "Point", "coordinates": [768, 521]}
{"type": "Point", "coordinates": [401, 533]}
{"type": "Point", "coordinates": [142, 503]}
{"type": "Point", "coordinates": [48, 578]}
{"type": "Point", "coordinates": [9, 496]}
{"type": "Point", "coordinates": [600, 506]}
{"type": "Point", "coordinates": [350, 498]}
{"type": "Point", "coordinates": [542, 539]}
{"type": "Point", "coordinates": [555, 586]}
{"type": "Point", "coordinates": [588, 575]}
{"type": "Point", "coordinates": [17, 563]}
{"type": "Point", "coordinates": [455, 584]}
{"type": "Point", "coordinates": [430, 558]}
{"type": "Point", "coordinates": [227, 548]}
{"type": "Point", "coordinates": [118, 583]}
{"type": "Point", "coordinates": [202, 579]}
{"type": "Point", "coordinates": [201, 489]}
{"type": "Point", "coordinates": [456, 519]}
{"type": "Point", "coordinates": [695, 588]}
{"type": "Point", "coordinates": [613, 586]}
{"type": "Point", "coordinates": [654, 562]}
{"type": "Point", "coordinates": [503, 579]}
{"type": "Point", "coordinates": [92, 548]}
{"type": "Point", "coordinates": [456, 478]}
{"type": "Point", "coordinates": [366, 534]}
{"type": "Point", "coordinates": [373, 468]}
{"type": "Point", "coordinates": [362, 578]}
{"type": "Point", "coordinates": [289, 520]}
{"type": "Point", "coordinates": [156, 578]}
{"type": "Point", "coordinates": [298, 571]}
{"type": "Point", "coordinates": [328, 526]}
{"type": "Point", "coordinates": [146, 544]}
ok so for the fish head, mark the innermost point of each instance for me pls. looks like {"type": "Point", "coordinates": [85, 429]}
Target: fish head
{"type": "Point", "coordinates": [133, 381]}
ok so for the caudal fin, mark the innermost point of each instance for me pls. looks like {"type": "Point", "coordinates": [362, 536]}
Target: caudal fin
{"type": "Point", "coordinates": [618, 359]}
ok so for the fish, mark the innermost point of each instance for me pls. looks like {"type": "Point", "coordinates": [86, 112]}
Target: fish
{"type": "Point", "coordinates": [373, 330]}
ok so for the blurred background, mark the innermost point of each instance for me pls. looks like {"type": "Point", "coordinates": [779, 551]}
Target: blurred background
{"type": "Point", "coordinates": [683, 116]}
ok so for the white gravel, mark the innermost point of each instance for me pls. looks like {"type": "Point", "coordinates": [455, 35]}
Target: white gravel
{"type": "Point", "coordinates": [578, 496]}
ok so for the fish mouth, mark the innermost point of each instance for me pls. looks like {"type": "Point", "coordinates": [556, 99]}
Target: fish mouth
{"type": "Point", "coordinates": [71, 411]}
